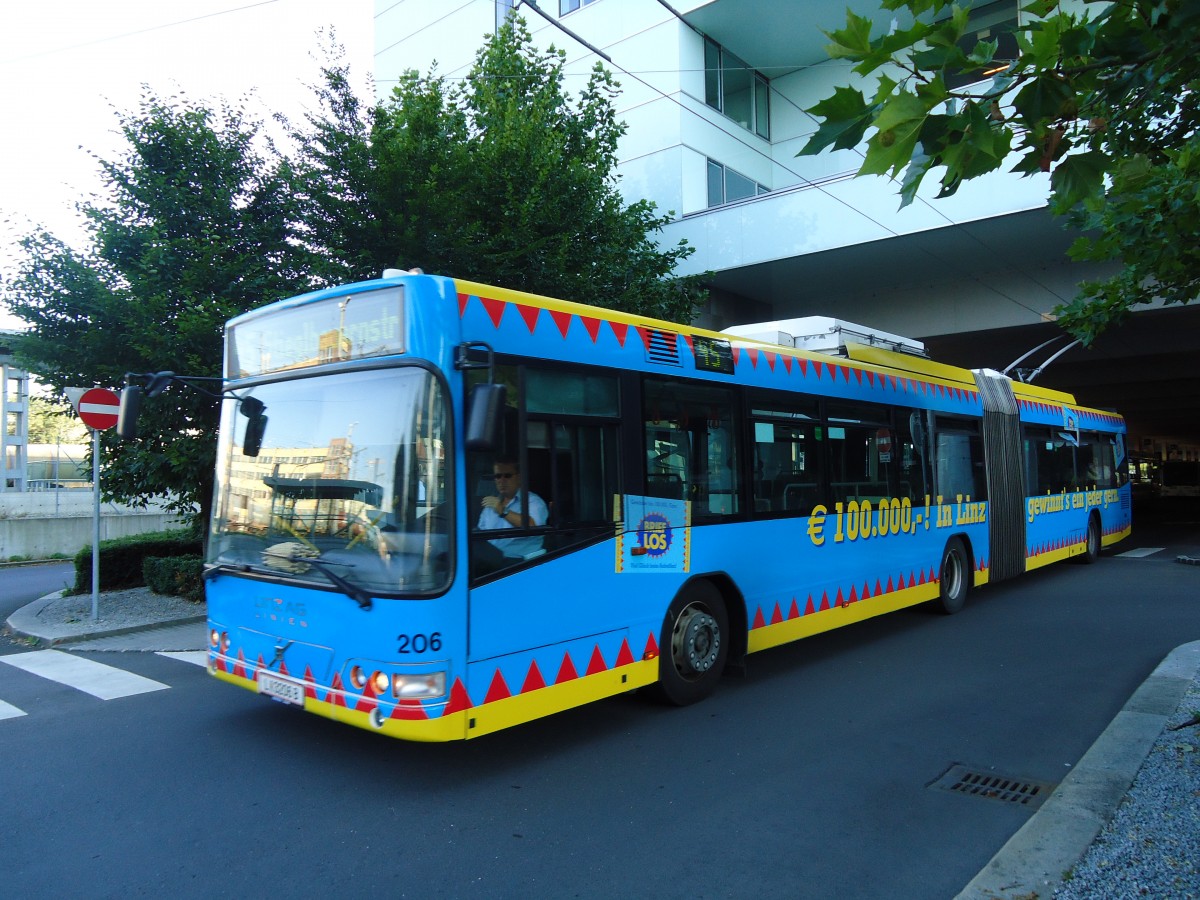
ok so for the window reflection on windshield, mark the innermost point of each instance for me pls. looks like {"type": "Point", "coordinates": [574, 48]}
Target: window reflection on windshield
{"type": "Point", "coordinates": [352, 471]}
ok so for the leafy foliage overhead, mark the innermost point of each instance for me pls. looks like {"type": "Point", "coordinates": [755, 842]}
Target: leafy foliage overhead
{"type": "Point", "coordinates": [197, 228]}
{"type": "Point", "coordinates": [500, 177]}
{"type": "Point", "coordinates": [1103, 96]}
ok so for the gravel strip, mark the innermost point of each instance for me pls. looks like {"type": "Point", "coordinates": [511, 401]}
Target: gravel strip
{"type": "Point", "coordinates": [118, 609]}
{"type": "Point", "coordinates": [1151, 846]}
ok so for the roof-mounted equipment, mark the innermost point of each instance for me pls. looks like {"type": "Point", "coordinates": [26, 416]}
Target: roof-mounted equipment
{"type": "Point", "coordinates": [824, 334]}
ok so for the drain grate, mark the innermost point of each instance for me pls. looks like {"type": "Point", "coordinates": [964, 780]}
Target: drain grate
{"type": "Point", "coordinates": [962, 780]}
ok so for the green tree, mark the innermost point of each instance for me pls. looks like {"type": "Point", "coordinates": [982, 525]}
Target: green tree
{"type": "Point", "coordinates": [501, 178]}
{"type": "Point", "coordinates": [1104, 96]}
{"type": "Point", "coordinates": [196, 227]}
{"type": "Point", "coordinates": [54, 422]}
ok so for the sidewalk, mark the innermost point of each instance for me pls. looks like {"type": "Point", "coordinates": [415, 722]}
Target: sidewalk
{"type": "Point", "coordinates": [1052, 845]}
{"type": "Point", "coordinates": [1044, 855]}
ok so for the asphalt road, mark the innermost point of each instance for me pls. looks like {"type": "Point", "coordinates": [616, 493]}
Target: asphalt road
{"type": "Point", "coordinates": [809, 777]}
{"type": "Point", "coordinates": [24, 584]}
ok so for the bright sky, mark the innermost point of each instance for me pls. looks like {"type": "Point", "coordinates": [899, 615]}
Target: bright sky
{"type": "Point", "coordinates": [66, 65]}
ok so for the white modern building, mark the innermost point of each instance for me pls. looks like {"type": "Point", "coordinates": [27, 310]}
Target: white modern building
{"type": "Point", "coordinates": [714, 94]}
{"type": "Point", "coordinates": [14, 389]}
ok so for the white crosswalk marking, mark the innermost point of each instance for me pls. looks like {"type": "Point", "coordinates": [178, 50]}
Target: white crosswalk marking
{"type": "Point", "coordinates": [8, 711]}
{"type": "Point", "coordinates": [97, 679]}
{"type": "Point", "coordinates": [1142, 551]}
{"type": "Point", "coordinates": [195, 657]}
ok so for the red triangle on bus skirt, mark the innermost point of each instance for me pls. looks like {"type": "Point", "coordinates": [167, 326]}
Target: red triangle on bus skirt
{"type": "Point", "coordinates": [533, 679]}
{"type": "Point", "coordinates": [459, 699]}
{"type": "Point", "coordinates": [624, 655]}
{"type": "Point", "coordinates": [498, 690]}
{"type": "Point", "coordinates": [566, 672]}
{"type": "Point", "coordinates": [651, 651]}
{"type": "Point", "coordinates": [596, 664]}
{"type": "Point", "coordinates": [409, 709]}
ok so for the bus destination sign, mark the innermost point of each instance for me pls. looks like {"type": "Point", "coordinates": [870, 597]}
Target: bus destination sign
{"type": "Point", "coordinates": [352, 326]}
{"type": "Point", "coordinates": [713, 355]}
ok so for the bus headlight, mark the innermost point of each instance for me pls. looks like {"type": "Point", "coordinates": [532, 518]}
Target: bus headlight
{"type": "Point", "coordinates": [380, 681]}
{"type": "Point", "coordinates": [358, 678]}
{"type": "Point", "coordinates": [426, 685]}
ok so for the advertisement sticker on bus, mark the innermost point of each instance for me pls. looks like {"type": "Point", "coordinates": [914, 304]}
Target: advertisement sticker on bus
{"type": "Point", "coordinates": [655, 536]}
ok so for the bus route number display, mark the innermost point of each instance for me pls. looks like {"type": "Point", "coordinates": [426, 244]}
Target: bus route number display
{"type": "Point", "coordinates": [713, 355]}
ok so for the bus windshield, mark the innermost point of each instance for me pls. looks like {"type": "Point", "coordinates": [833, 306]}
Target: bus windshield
{"type": "Point", "coordinates": [349, 484]}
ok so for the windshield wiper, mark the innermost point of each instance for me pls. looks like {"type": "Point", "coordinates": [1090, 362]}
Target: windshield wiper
{"type": "Point", "coordinates": [296, 558]}
{"type": "Point", "coordinates": [351, 590]}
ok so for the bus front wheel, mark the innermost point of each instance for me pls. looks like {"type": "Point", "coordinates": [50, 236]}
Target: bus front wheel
{"type": "Point", "coordinates": [694, 647]}
{"type": "Point", "coordinates": [955, 577]}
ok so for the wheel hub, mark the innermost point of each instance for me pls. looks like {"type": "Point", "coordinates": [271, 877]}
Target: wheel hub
{"type": "Point", "coordinates": [696, 642]}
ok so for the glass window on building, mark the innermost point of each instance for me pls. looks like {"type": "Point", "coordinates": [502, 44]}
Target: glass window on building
{"type": "Point", "coordinates": [737, 90]}
{"type": "Point", "coordinates": [726, 186]}
{"type": "Point", "coordinates": [566, 6]}
{"type": "Point", "coordinates": [992, 22]}
{"type": "Point", "coordinates": [503, 8]}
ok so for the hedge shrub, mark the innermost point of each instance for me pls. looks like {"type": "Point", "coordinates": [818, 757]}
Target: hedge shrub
{"type": "Point", "coordinates": [121, 558]}
{"type": "Point", "coordinates": [177, 576]}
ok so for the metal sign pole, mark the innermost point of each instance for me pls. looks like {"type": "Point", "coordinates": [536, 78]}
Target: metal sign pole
{"type": "Point", "coordinates": [99, 409]}
{"type": "Point", "coordinates": [96, 524]}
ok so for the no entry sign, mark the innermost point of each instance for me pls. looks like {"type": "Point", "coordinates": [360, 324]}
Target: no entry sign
{"type": "Point", "coordinates": [98, 408]}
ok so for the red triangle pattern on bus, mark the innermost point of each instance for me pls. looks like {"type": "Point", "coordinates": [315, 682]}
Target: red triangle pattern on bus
{"type": "Point", "coordinates": [568, 671]}
{"type": "Point", "coordinates": [842, 599]}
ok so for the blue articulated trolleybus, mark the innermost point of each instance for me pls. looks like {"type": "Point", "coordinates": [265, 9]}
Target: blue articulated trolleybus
{"type": "Point", "coordinates": [706, 495]}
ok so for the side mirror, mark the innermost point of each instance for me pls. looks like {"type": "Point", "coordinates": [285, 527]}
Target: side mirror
{"type": "Point", "coordinates": [256, 427]}
{"type": "Point", "coordinates": [485, 417]}
{"type": "Point", "coordinates": [158, 382]}
{"type": "Point", "coordinates": [127, 412]}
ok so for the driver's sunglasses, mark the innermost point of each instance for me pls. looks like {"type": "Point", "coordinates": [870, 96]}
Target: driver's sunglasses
{"type": "Point", "coordinates": [500, 475]}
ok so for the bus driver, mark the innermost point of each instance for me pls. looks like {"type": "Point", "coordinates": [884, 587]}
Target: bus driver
{"type": "Point", "coordinates": [508, 508]}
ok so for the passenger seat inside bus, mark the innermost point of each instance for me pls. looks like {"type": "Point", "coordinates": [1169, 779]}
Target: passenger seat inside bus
{"type": "Point", "coordinates": [668, 486]}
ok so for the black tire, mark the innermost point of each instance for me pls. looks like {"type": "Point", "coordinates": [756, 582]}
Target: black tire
{"type": "Point", "coordinates": [694, 645]}
{"type": "Point", "coordinates": [1091, 551]}
{"type": "Point", "coordinates": [954, 578]}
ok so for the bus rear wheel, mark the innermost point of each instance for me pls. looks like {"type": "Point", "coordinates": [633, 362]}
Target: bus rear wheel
{"type": "Point", "coordinates": [694, 646]}
{"type": "Point", "coordinates": [955, 578]}
{"type": "Point", "coordinates": [1091, 551]}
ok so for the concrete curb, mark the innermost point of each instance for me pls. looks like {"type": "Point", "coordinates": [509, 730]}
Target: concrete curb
{"type": "Point", "coordinates": [1036, 858]}
{"type": "Point", "coordinates": [24, 623]}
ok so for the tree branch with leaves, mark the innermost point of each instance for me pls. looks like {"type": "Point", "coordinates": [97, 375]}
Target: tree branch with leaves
{"type": "Point", "coordinates": [1102, 96]}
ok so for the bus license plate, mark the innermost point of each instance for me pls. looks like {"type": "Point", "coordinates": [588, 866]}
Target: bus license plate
{"type": "Point", "coordinates": [280, 689]}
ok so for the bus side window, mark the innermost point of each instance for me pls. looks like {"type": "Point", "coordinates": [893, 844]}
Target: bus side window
{"type": "Point", "coordinates": [572, 439]}
{"type": "Point", "coordinates": [862, 452]}
{"type": "Point", "coordinates": [691, 447]}
{"type": "Point", "coordinates": [787, 453]}
{"type": "Point", "coordinates": [1050, 461]}
{"type": "Point", "coordinates": [1096, 461]}
{"type": "Point", "coordinates": [959, 455]}
{"type": "Point", "coordinates": [913, 451]}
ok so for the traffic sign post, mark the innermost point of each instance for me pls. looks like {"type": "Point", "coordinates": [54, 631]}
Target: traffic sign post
{"type": "Point", "coordinates": [98, 409]}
